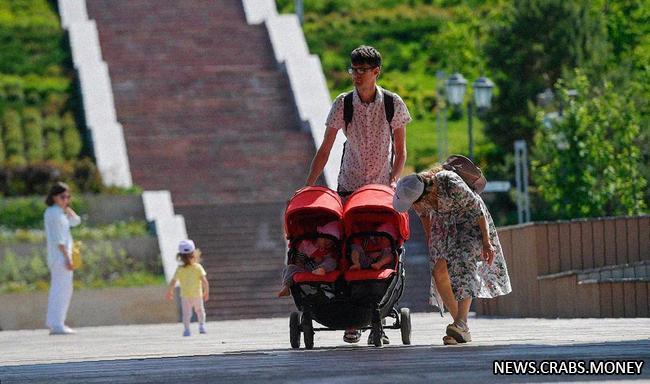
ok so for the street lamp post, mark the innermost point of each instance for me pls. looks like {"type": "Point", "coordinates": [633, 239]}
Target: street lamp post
{"type": "Point", "coordinates": [456, 85]}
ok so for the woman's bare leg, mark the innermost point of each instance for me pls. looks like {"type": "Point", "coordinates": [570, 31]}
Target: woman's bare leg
{"type": "Point", "coordinates": [463, 309]}
{"type": "Point", "coordinates": [443, 284]}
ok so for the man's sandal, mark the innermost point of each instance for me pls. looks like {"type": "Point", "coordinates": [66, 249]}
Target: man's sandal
{"type": "Point", "coordinates": [352, 336]}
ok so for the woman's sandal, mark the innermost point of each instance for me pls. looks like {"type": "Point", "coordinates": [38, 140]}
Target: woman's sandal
{"type": "Point", "coordinates": [460, 332]}
{"type": "Point", "coordinates": [448, 340]}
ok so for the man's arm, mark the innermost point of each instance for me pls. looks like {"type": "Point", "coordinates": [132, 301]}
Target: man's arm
{"type": "Point", "coordinates": [399, 139]}
{"type": "Point", "coordinates": [322, 155]}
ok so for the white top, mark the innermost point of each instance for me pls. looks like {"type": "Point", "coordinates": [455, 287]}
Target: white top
{"type": "Point", "coordinates": [366, 159]}
{"type": "Point", "coordinates": [57, 231]}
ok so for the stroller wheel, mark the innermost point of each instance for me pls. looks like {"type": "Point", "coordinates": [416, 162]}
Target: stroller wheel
{"type": "Point", "coordinates": [307, 330]}
{"type": "Point", "coordinates": [294, 330]}
{"type": "Point", "coordinates": [405, 322]}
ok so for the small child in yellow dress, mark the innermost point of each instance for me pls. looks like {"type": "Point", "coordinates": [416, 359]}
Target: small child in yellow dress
{"type": "Point", "coordinates": [194, 285]}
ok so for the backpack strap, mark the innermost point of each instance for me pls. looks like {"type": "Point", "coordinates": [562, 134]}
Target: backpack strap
{"type": "Point", "coordinates": [389, 108]}
{"type": "Point", "coordinates": [348, 108]}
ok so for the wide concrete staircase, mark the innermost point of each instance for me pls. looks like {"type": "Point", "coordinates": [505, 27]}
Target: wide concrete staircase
{"type": "Point", "coordinates": [208, 115]}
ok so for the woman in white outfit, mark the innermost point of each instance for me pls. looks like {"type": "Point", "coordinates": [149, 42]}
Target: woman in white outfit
{"type": "Point", "coordinates": [59, 217]}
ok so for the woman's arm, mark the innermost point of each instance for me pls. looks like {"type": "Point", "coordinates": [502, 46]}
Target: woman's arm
{"type": "Point", "coordinates": [73, 218]}
{"type": "Point", "coordinates": [68, 257]}
{"type": "Point", "coordinates": [488, 252]}
{"type": "Point", "coordinates": [426, 225]}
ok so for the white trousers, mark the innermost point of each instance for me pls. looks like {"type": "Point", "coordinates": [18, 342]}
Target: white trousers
{"type": "Point", "coordinates": [60, 295]}
{"type": "Point", "coordinates": [188, 304]}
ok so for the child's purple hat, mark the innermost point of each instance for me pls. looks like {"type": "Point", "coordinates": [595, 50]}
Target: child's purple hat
{"type": "Point", "coordinates": [186, 246]}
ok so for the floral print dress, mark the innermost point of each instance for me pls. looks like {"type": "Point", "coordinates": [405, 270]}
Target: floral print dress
{"type": "Point", "coordinates": [455, 236]}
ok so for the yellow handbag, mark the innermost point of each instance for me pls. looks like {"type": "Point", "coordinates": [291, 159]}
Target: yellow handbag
{"type": "Point", "coordinates": [76, 255]}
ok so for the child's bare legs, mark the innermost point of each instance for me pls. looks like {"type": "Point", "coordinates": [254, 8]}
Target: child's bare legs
{"type": "Point", "coordinates": [199, 308]}
{"type": "Point", "coordinates": [355, 257]}
{"type": "Point", "coordinates": [284, 291]}
{"type": "Point", "coordinates": [287, 278]}
{"type": "Point", "coordinates": [385, 259]}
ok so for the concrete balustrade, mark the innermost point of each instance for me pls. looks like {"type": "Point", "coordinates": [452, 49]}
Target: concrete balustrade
{"type": "Point", "coordinates": [170, 227]}
{"type": "Point", "coordinates": [305, 74]}
{"type": "Point", "coordinates": [106, 133]}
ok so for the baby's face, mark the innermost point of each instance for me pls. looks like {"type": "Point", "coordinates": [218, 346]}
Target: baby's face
{"type": "Point", "coordinates": [324, 243]}
{"type": "Point", "coordinates": [380, 241]}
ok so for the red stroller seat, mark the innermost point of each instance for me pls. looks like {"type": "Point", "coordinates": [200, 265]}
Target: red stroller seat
{"type": "Point", "coordinates": [369, 212]}
{"type": "Point", "coordinates": [308, 211]}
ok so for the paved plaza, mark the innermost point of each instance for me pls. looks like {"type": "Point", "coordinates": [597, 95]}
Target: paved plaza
{"type": "Point", "coordinates": [258, 351]}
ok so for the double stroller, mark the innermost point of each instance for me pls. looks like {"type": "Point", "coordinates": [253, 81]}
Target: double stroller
{"type": "Point", "coordinates": [344, 298]}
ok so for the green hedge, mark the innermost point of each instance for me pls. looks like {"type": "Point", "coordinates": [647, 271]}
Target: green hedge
{"type": "Point", "coordinates": [116, 230]}
{"type": "Point", "coordinates": [40, 140]}
{"type": "Point", "coordinates": [27, 212]}
{"type": "Point", "coordinates": [103, 267]}
{"type": "Point", "coordinates": [36, 178]}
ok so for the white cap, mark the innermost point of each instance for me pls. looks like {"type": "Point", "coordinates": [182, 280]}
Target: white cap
{"type": "Point", "coordinates": [186, 246]}
{"type": "Point", "coordinates": [409, 189]}
{"type": "Point", "coordinates": [331, 228]}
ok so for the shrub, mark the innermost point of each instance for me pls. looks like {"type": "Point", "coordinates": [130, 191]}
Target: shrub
{"type": "Point", "coordinates": [33, 129]}
{"type": "Point", "coordinates": [13, 137]}
{"type": "Point", "coordinates": [52, 123]}
{"type": "Point", "coordinates": [2, 151]}
{"type": "Point", "coordinates": [32, 216]}
{"type": "Point", "coordinates": [86, 176]}
{"type": "Point", "coordinates": [103, 267]}
{"type": "Point", "coordinates": [71, 137]}
{"type": "Point", "coordinates": [54, 147]}
{"type": "Point", "coordinates": [36, 178]}
{"type": "Point", "coordinates": [12, 89]}
{"type": "Point", "coordinates": [24, 212]}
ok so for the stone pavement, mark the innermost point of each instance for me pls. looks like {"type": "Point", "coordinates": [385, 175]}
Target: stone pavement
{"type": "Point", "coordinates": [258, 351]}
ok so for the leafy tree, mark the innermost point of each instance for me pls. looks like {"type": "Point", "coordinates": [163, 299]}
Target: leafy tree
{"type": "Point", "coordinates": [529, 50]}
{"type": "Point", "coordinates": [586, 161]}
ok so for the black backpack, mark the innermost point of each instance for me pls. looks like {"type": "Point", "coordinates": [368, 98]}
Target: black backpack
{"type": "Point", "coordinates": [389, 108]}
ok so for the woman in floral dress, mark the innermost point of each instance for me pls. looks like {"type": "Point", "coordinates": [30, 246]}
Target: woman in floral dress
{"type": "Point", "coordinates": [464, 251]}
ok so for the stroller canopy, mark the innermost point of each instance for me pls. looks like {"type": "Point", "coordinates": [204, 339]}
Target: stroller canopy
{"type": "Point", "coordinates": [309, 208]}
{"type": "Point", "coordinates": [371, 206]}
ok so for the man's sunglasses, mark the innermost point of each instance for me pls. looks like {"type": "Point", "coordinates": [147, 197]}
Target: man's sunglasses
{"type": "Point", "coordinates": [359, 70]}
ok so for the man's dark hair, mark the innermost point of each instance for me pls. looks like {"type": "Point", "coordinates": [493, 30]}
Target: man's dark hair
{"type": "Point", "coordinates": [366, 54]}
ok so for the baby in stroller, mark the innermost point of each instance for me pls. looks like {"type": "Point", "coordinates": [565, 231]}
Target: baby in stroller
{"type": "Point", "coordinates": [311, 255]}
{"type": "Point", "coordinates": [372, 251]}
